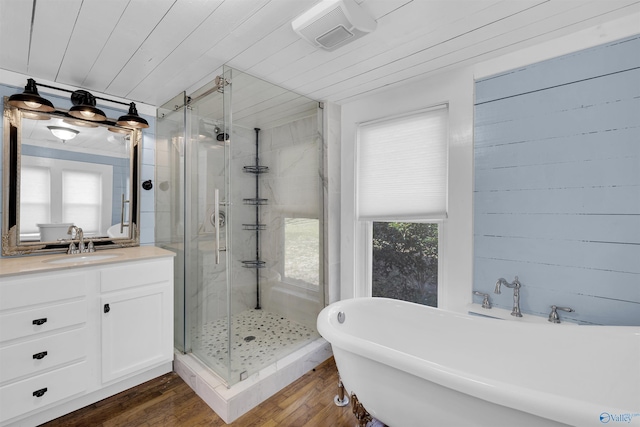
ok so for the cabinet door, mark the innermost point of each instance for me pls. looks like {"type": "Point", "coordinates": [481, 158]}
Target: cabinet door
{"type": "Point", "coordinates": [136, 330]}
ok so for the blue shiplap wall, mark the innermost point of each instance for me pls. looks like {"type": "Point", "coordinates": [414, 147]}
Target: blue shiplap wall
{"type": "Point", "coordinates": [557, 184]}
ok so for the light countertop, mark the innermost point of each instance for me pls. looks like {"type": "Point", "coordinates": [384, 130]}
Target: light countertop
{"type": "Point", "coordinates": [43, 263]}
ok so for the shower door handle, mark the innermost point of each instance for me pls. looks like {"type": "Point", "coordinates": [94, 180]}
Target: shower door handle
{"type": "Point", "coordinates": [216, 222]}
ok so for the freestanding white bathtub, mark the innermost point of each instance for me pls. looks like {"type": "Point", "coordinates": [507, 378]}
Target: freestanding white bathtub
{"type": "Point", "coordinates": [412, 365]}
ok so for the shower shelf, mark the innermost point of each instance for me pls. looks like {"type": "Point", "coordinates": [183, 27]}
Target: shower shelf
{"type": "Point", "coordinates": [253, 264]}
{"type": "Point", "coordinates": [256, 169]}
{"type": "Point", "coordinates": [255, 202]}
{"type": "Point", "coordinates": [254, 227]}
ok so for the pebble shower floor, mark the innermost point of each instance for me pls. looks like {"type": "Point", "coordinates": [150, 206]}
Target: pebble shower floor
{"type": "Point", "coordinates": [258, 338]}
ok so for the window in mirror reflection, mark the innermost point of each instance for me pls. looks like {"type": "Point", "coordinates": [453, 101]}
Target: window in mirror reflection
{"type": "Point", "coordinates": [35, 200]}
{"type": "Point", "coordinates": [81, 199]}
{"type": "Point", "coordinates": [55, 191]}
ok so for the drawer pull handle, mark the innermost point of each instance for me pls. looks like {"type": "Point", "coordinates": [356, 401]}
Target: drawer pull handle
{"type": "Point", "coordinates": [40, 321]}
{"type": "Point", "coordinates": [40, 393]}
{"type": "Point", "coordinates": [40, 355]}
{"type": "Point", "coordinates": [107, 308]}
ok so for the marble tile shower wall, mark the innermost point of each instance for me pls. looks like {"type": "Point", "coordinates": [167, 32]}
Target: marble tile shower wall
{"type": "Point", "coordinates": [147, 218]}
{"type": "Point", "coordinates": [293, 184]}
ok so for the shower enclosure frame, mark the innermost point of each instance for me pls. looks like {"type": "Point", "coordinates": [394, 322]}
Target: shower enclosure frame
{"type": "Point", "coordinates": [185, 108]}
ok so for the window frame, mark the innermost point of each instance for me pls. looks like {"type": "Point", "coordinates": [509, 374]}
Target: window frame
{"type": "Point", "coordinates": [363, 228]}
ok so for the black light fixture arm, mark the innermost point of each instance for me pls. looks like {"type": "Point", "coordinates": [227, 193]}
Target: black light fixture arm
{"type": "Point", "coordinates": [73, 91]}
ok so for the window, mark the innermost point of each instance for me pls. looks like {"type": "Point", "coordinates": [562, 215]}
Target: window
{"type": "Point", "coordinates": [405, 261]}
{"type": "Point", "coordinates": [302, 251]}
{"type": "Point", "coordinates": [401, 203]}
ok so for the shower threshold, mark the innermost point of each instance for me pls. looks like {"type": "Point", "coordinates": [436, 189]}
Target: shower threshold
{"type": "Point", "coordinates": [232, 402]}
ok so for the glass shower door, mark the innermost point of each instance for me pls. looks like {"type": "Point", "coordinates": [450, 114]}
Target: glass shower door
{"type": "Point", "coordinates": [208, 221]}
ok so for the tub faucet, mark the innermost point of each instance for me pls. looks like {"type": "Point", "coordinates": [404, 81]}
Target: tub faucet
{"type": "Point", "coordinates": [485, 300]}
{"type": "Point", "coordinates": [515, 285]}
{"type": "Point", "coordinates": [553, 316]}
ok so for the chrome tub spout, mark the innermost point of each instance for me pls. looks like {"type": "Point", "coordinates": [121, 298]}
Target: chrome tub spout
{"type": "Point", "coordinates": [515, 285]}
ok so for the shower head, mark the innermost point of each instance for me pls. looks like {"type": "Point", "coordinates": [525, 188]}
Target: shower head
{"type": "Point", "coordinates": [220, 136]}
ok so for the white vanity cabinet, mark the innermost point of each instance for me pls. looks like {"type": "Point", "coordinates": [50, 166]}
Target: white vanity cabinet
{"type": "Point", "coordinates": [135, 330]}
{"type": "Point", "coordinates": [43, 340]}
{"type": "Point", "coordinates": [73, 335]}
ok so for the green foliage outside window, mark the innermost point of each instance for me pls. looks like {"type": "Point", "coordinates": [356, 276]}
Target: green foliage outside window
{"type": "Point", "coordinates": [405, 261]}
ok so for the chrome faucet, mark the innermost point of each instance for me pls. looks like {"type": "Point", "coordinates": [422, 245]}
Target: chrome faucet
{"type": "Point", "coordinates": [515, 285]}
{"type": "Point", "coordinates": [81, 246]}
{"type": "Point", "coordinates": [553, 316]}
{"type": "Point", "coordinates": [485, 300]}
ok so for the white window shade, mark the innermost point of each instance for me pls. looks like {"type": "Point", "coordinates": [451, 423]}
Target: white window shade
{"type": "Point", "coordinates": [402, 167]}
{"type": "Point", "coordinates": [81, 199]}
{"type": "Point", "coordinates": [35, 198]}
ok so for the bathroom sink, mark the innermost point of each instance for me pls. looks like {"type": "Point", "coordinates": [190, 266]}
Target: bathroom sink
{"type": "Point", "coordinates": [83, 258]}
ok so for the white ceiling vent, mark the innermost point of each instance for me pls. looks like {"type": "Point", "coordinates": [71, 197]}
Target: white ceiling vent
{"type": "Point", "coordinates": [333, 23]}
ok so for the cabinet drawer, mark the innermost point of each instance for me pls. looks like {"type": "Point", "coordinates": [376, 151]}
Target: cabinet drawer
{"type": "Point", "coordinates": [41, 289]}
{"type": "Point", "coordinates": [43, 319]}
{"type": "Point", "coordinates": [21, 397]}
{"type": "Point", "coordinates": [136, 274]}
{"type": "Point", "coordinates": [35, 356]}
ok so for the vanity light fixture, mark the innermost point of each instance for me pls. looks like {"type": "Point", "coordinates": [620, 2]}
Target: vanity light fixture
{"type": "Point", "coordinates": [30, 99]}
{"type": "Point", "coordinates": [65, 134]}
{"type": "Point", "coordinates": [84, 107]}
{"type": "Point", "coordinates": [132, 119]}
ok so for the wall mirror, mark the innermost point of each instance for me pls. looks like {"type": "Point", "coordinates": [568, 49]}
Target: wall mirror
{"type": "Point", "coordinates": [60, 171]}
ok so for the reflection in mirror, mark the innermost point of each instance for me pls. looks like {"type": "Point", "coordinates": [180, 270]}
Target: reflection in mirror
{"type": "Point", "coordinates": [63, 172]}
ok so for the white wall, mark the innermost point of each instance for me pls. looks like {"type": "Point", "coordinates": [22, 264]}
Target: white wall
{"type": "Point", "coordinates": [455, 88]}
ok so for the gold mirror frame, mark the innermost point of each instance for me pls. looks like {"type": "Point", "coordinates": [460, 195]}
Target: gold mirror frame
{"type": "Point", "coordinates": [12, 140]}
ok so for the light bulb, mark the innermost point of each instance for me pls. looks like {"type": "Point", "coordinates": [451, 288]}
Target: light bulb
{"type": "Point", "coordinates": [32, 104]}
{"type": "Point", "coordinates": [88, 114]}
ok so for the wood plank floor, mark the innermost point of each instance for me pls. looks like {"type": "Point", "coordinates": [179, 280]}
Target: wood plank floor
{"type": "Point", "coordinates": [168, 401]}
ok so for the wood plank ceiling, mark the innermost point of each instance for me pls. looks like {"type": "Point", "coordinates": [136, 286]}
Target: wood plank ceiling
{"type": "Point", "coordinates": [150, 50]}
